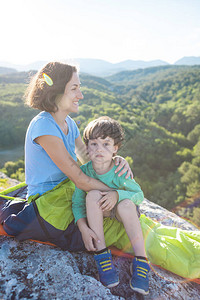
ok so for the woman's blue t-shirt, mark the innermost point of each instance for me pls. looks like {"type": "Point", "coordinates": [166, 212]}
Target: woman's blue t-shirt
{"type": "Point", "coordinates": [41, 172]}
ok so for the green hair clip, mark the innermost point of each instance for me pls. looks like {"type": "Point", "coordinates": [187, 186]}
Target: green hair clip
{"type": "Point", "coordinates": [47, 79]}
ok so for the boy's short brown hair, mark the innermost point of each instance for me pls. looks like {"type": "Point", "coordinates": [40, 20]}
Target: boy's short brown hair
{"type": "Point", "coordinates": [104, 127]}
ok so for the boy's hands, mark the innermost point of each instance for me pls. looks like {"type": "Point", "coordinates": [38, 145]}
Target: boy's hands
{"type": "Point", "coordinates": [88, 236]}
{"type": "Point", "coordinates": [109, 200]}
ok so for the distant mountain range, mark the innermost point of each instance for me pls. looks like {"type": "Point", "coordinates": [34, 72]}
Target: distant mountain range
{"type": "Point", "coordinates": [188, 60]}
{"type": "Point", "coordinates": [5, 70]}
{"type": "Point", "coordinates": [100, 67]}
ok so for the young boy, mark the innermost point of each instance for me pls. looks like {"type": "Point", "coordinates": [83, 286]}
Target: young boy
{"type": "Point", "coordinates": [103, 137]}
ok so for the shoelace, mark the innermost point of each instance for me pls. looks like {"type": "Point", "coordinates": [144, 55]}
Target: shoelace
{"type": "Point", "coordinates": [141, 271]}
{"type": "Point", "coordinates": [106, 265]}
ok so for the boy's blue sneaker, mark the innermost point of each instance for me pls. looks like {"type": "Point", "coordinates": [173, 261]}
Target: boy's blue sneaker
{"type": "Point", "coordinates": [140, 280]}
{"type": "Point", "coordinates": [107, 273]}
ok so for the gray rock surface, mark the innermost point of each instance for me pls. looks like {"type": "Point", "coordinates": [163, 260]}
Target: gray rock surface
{"type": "Point", "coordinates": [29, 270]}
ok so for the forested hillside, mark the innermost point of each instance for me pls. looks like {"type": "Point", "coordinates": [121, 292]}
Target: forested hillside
{"type": "Point", "coordinates": [159, 109]}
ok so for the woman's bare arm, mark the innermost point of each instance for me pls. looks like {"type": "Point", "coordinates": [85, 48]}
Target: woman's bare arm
{"type": "Point", "coordinates": [55, 148]}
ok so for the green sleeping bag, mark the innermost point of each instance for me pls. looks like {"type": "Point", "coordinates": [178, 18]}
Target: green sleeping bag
{"type": "Point", "coordinates": [171, 248]}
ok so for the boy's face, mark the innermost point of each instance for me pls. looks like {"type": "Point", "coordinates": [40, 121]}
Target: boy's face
{"type": "Point", "coordinates": [101, 150]}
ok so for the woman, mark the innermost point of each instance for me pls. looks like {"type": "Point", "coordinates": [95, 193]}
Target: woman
{"type": "Point", "coordinates": [52, 144]}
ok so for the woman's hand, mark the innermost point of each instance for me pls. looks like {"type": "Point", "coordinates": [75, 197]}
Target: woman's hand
{"type": "Point", "coordinates": [123, 165]}
{"type": "Point", "coordinates": [109, 200]}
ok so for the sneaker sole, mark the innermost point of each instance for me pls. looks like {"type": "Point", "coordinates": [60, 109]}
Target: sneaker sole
{"type": "Point", "coordinates": [131, 269]}
{"type": "Point", "coordinates": [112, 284]}
{"type": "Point", "coordinates": [138, 290]}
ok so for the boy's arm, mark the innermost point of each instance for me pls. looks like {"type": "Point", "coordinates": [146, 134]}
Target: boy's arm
{"type": "Point", "coordinates": [79, 211]}
{"type": "Point", "coordinates": [127, 189]}
{"type": "Point", "coordinates": [78, 204]}
{"type": "Point", "coordinates": [130, 189]}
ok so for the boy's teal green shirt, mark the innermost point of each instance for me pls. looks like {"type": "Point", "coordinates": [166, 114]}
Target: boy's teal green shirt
{"type": "Point", "coordinates": [126, 188]}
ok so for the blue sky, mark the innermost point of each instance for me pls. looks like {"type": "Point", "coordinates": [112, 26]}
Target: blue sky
{"type": "Point", "coordinates": [113, 30]}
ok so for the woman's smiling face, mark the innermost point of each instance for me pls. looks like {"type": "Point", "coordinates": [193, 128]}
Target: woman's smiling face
{"type": "Point", "coordinates": [69, 101]}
